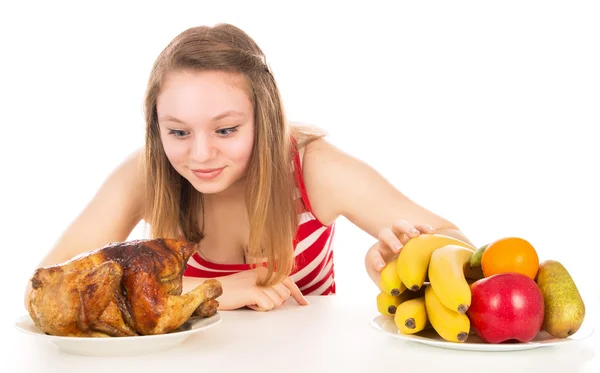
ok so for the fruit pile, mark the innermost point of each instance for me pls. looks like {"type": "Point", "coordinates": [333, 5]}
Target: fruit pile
{"type": "Point", "coordinates": [501, 291]}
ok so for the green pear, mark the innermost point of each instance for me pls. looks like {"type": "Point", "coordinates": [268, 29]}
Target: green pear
{"type": "Point", "coordinates": [564, 310]}
{"type": "Point", "coordinates": [476, 258]}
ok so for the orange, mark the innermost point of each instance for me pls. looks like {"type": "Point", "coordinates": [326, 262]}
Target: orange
{"type": "Point", "coordinates": [510, 254]}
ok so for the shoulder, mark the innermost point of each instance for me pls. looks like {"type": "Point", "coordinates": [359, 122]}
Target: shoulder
{"type": "Point", "coordinates": [322, 157]}
{"type": "Point", "coordinates": [315, 150]}
{"type": "Point", "coordinates": [126, 182]}
{"type": "Point", "coordinates": [135, 161]}
{"type": "Point", "coordinates": [110, 216]}
{"type": "Point", "coordinates": [131, 170]}
{"type": "Point", "coordinates": [324, 171]}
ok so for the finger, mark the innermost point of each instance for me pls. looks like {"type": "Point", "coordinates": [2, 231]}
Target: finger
{"type": "Point", "coordinates": [295, 292]}
{"type": "Point", "coordinates": [275, 297]}
{"type": "Point", "coordinates": [390, 239]}
{"type": "Point", "coordinates": [262, 301]}
{"type": "Point", "coordinates": [282, 291]}
{"type": "Point", "coordinates": [374, 258]}
{"type": "Point", "coordinates": [374, 264]}
{"type": "Point", "coordinates": [425, 228]}
{"type": "Point", "coordinates": [404, 231]}
{"type": "Point", "coordinates": [386, 254]}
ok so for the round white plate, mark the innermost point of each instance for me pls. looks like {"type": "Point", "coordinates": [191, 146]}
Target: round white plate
{"type": "Point", "coordinates": [120, 346]}
{"type": "Point", "coordinates": [474, 343]}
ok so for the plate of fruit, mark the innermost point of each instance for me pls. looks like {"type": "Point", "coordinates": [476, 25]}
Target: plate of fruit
{"type": "Point", "coordinates": [444, 292]}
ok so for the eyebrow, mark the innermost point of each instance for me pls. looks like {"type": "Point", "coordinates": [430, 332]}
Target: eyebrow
{"type": "Point", "coordinates": [228, 114]}
{"type": "Point", "coordinates": [223, 115]}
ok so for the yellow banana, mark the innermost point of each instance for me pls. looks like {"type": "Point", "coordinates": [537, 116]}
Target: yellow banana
{"type": "Point", "coordinates": [387, 304]}
{"type": "Point", "coordinates": [411, 316]}
{"type": "Point", "coordinates": [413, 260]}
{"type": "Point", "coordinates": [447, 276]}
{"type": "Point", "coordinates": [450, 325]}
{"type": "Point", "coordinates": [390, 282]}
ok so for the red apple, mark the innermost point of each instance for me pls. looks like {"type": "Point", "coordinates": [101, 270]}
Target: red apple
{"type": "Point", "coordinates": [506, 307]}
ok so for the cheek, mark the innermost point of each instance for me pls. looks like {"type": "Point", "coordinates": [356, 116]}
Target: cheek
{"type": "Point", "coordinates": [240, 150]}
{"type": "Point", "coordinates": [175, 150]}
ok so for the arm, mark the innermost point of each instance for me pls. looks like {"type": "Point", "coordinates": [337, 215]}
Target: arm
{"type": "Point", "coordinates": [338, 184]}
{"type": "Point", "coordinates": [109, 217]}
{"type": "Point", "coordinates": [240, 290]}
{"type": "Point", "coordinates": [342, 185]}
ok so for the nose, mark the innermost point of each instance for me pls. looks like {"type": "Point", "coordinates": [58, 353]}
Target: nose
{"type": "Point", "coordinates": [202, 149]}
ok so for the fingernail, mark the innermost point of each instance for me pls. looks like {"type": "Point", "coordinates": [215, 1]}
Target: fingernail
{"type": "Point", "coordinates": [414, 230]}
{"type": "Point", "coordinates": [430, 228]}
{"type": "Point", "coordinates": [380, 265]}
{"type": "Point", "coordinates": [397, 247]}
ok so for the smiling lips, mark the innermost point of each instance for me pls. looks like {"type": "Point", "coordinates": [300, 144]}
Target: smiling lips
{"type": "Point", "coordinates": [208, 173]}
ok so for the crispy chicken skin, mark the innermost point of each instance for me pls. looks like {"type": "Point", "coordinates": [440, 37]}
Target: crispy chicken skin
{"type": "Point", "coordinates": [122, 289]}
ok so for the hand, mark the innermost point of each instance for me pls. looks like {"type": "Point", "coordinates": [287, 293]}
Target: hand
{"type": "Point", "coordinates": [240, 290]}
{"type": "Point", "coordinates": [390, 242]}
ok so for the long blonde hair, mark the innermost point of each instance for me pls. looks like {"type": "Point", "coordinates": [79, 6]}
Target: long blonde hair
{"type": "Point", "coordinates": [173, 207]}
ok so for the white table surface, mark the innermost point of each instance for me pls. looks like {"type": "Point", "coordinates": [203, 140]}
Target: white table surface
{"type": "Point", "coordinates": [331, 335]}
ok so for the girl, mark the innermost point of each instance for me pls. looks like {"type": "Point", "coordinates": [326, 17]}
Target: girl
{"type": "Point", "coordinates": [222, 166]}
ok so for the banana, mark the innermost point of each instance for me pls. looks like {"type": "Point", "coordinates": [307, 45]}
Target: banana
{"type": "Point", "coordinates": [450, 325]}
{"type": "Point", "coordinates": [476, 258]}
{"type": "Point", "coordinates": [387, 304]}
{"type": "Point", "coordinates": [413, 260]}
{"type": "Point", "coordinates": [447, 277]}
{"type": "Point", "coordinates": [411, 316]}
{"type": "Point", "coordinates": [390, 282]}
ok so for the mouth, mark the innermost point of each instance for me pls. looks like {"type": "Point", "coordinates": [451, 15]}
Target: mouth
{"type": "Point", "coordinates": [207, 173]}
{"type": "Point", "coordinates": [207, 170]}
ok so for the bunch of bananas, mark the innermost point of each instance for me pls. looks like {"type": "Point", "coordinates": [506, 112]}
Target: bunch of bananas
{"type": "Point", "coordinates": [426, 286]}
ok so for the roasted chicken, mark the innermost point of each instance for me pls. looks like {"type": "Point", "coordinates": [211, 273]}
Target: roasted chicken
{"type": "Point", "coordinates": [122, 289]}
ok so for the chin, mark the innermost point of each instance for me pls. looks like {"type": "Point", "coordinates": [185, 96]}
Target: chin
{"type": "Point", "coordinates": [213, 187]}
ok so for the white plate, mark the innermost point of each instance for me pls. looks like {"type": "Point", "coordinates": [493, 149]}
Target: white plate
{"type": "Point", "coordinates": [120, 346]}
{"type": "Point", "coordinates": [474, 343]}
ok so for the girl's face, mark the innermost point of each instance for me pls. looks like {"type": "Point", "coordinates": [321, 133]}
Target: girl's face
{"type": "Point", "coordinates": [206, 122]}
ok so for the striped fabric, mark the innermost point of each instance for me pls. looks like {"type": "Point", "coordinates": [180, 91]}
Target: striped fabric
{"type": "Point", "coordinates": [313, 271]}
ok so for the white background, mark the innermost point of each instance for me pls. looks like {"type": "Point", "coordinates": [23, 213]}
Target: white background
{"type": "Point", "coordinates": [482, 113]}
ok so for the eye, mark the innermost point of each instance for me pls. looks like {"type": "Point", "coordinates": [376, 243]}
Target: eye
{"type": "Point", "coordinates": [179, 133]}
{"type": "Point", "coordinates": [227, 131]}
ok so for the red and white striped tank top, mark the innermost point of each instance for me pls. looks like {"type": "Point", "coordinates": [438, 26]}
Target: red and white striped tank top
{"type": "Point", "coordinates": [313, 254]}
